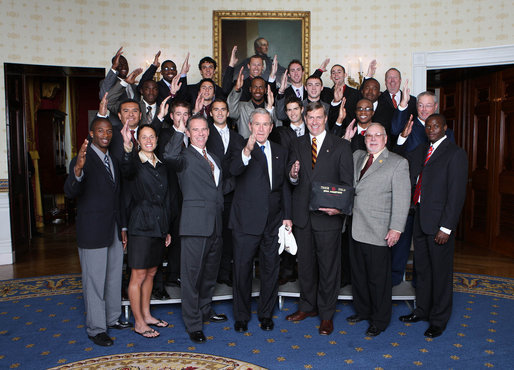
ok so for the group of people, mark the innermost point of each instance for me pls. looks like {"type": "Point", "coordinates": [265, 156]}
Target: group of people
{"type": "Point", "coordinates": [203, 176]}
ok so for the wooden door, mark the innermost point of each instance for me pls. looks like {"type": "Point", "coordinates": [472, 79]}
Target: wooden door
{"type": "Point", "coordinates": [17, 161]}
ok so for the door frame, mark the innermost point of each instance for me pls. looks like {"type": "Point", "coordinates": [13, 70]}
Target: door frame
{"type": "Point", "coordinates": [427, 60]}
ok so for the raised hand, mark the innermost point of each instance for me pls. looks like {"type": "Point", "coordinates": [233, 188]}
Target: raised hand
{"type": "Point", "coordinates": [324, 65]}
{"type": "Point", "coordinates": [156, 59]}
{"type": "Point", "coordinates": [271, 98]}
{"type": "Point", "coordinates": [198, 103]}
{"type": "Point", "coordinates": [338, 92]}
{"type": "Point", "coordinates": [240, 80]}
{"type": "Point", "coordinates": [81, 159]}
{"type": "Point", "coordinates": [408, 127]}
{"type": "Point", "coordinates": [283, 84]}
{"type": "Point", "coordinates": [342, 112]}
{"type": "Point", "coordinates": [116, 62]}
{"type": "Point", "coordinates": [249, 145]}
{"type": "Point", "coordinates": [274, 68]}
{"type": "Point", "coordinates": [131, 78]}
{"type": "Point", "coordinates": [175, 85]}
{"type": "Point", "coordinates": [127, 135]}
{"type": "Point", "coordinates": [163, 108]}
{"type": "Point", "coordinates": [233, 58]}
{"type": "Point", "coordinates": [181, 124]}
{"type": "Point", "coordinates": [102, 108]}
{"type": "Point", "coordinates": [185, 66]}
{"type": "Point", "coordinates": [405, 94]}
{"type": "Point", "coordinates": [350, 131]}
{"type": "Point", "coordinates": [295, 168]}
{"type": "Point", "coordinates": [372, 68]}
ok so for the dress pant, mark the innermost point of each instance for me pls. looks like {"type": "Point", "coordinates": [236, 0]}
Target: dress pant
{"type": "Point", "coordinates": [371, 282]}
{"type": "Point", "coordinates": [101, 285]}
{"type": "Point", "coordinates": [245, 248]}
{"type": "Point", "coordinates": [319, 269]}
{"type": "Point", "coordinates": [400, 252]}
{"type": "Point", "coordinates": [200, 260]}
{"type": "Point", "coordinates": [434, 276]}
{"type": "Point", "coordinates": [225, 271]}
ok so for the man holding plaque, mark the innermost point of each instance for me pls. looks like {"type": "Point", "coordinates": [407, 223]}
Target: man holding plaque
{"type": "Point", "coordinates": [321, 158]}
{"type": "Point", "coordinates": [380, 209]}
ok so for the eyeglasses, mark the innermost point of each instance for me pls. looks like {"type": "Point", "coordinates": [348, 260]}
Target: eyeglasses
{"type": "Point", "coordinates": [367, 109]}
{"type": "Point", "coordinates": [378, 135]}
{"type": "Point", "coordinates": [169, 69]}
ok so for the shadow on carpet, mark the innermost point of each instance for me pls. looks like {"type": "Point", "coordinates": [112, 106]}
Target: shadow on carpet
{"type": "Point", "coordinates": [42, 326]}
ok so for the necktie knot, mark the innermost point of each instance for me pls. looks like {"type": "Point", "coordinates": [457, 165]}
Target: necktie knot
{"type": "Point", "coordinates": [363, 132]}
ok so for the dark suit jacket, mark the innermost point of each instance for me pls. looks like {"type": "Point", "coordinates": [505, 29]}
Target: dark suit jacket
{"type": "Point", "coordinates": [417, 136]}
{"type": "Point", "coordinates": [229, 83]}
{"type": "Point", "coordinates": [443, 185]}
{"type": "Point", "coordinates": [334, 164]}
{"type": "Point", "coordinates": [215, 146]}
{"type": "Point", "coordinates": [352, 97]}
{"type": "Point", "coordinates": [257, 207]}
{"type": "Point", "coordinates": [202, 202]}
{"type": "Point", "coordinates": [190, 92]}
{"type": "Point", "coordinates": [98, 202]}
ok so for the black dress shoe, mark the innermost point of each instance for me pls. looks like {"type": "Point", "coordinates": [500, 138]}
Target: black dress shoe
{"type": "Point", "coordinates": [121, 325]}
{"type": "Point", "coordinates": [266, 324]}
{"type": "Point", "coordinates": [197, 336]}
{"type": "Point", "coordinates": [354, 318]}
{"type": "Point", "coordinates": [373, 331]}
{"type": "Point", "coordinates": [227, 282]}
{"type": "Point", "coordinates": [101, 339]}
{"type": "Point", "coordinates": [218, 318]}
{"type": "Point", "coordinates": [433, 331]}
{"type": "Point", "coordinates": [410, 318]}
{"type": "Point", "coordinates": [241, 326]}
{"type": "Point", "coordinates": [160, 294]}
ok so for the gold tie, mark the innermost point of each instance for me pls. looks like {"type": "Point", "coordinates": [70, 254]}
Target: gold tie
{"type": "Point", "coordinates": [314, 151]}
{"type": "Point", "coordinates": [204, 152]}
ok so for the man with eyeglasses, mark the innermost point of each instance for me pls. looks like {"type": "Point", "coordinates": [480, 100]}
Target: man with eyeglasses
{"type": "Point", "coordinates": [380, 178]}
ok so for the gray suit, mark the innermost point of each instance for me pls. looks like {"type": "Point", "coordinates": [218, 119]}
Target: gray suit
{"type": "Point", "coordinates": [381, 203]}
{"type": "Point", "coordinates": [200, 230]}
{"type": "Point", "coordinates": [241, 110]}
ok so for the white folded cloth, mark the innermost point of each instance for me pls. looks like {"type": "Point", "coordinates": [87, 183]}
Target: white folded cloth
{"type": "Point", "coordinates": [286, 241]}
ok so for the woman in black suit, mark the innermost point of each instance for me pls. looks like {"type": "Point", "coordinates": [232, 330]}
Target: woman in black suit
{"type": "Point", "coordinates": [149, 222]}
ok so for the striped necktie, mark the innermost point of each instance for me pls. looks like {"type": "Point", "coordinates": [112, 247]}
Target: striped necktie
{"type": "Point", "coordinates": [314, 151]}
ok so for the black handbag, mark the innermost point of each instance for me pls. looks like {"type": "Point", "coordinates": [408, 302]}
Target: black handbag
{"type": "Point", "coordinates": [329, 195]}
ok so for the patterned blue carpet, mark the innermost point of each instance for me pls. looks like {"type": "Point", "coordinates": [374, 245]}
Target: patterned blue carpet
{"type": "Point", "coordinates": [42, 326]}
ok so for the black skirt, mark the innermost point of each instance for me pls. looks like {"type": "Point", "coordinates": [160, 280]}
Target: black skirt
{"type": "Point", "coordinates": [145, 252]}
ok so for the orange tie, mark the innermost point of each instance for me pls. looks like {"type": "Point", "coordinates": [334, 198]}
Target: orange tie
{"type": "Point", "coordinates": [204, 152]}
{"type": "Point", "coordinates": [314, 151]}
{"type": "Point", "coordinates": [395, 104]}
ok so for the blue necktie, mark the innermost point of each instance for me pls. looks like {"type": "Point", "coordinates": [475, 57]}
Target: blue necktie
{"type": "Point", "coordinates": [108, 167]}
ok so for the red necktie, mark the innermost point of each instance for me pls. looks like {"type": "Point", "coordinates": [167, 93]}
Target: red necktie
{"type": "Point", "coordinates": [134, 141]}
{"type": "Point", "coordinates": [367, 165]}
{"type": "Point", "coordinates": [417, 191]}
{"type": "Point", "coordinates": [314, 152]}
{"type": "Point", "coordinates": [395, 104]}
{"type": "Point", "coordinates": [363, 132]}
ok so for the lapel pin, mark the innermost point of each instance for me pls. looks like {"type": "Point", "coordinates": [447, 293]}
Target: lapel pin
{"type": "Point", "coordinates": [380, 161]}
{"type": "Point", "coordinates": [328, 150]}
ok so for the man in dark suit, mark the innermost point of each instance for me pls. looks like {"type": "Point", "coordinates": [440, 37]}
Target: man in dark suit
{"type": "Point", "coordinates": [411, 134]}
{"type": "Point", "coordinates": [325, 158]}
{"type": "Point", "coordinates": [223, 142]}
{"type": "Point", "coordinates": [440, 172]}
{"type": "Point", "coordinates": [262, 203]}
{"type": "Point", "coordinates": [207, 67]}
{"type": "Point", "coordinates": [94, 180]}
{"type": "Point", "coordinates": [119, 70]}
{"type": "Point", "coordinates": [200, 177]}
{"type": "Point", "coordinates": [351, 95]}
{"type": "Point", "coordinates": [381, 205]}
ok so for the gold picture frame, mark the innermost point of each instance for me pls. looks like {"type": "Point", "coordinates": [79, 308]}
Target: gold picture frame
{"type": "Point", "coordinates": [295, 19]}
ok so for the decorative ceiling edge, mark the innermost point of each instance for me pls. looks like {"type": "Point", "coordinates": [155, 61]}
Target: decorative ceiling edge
{"type": "Point", "coordinates": [4, 185]}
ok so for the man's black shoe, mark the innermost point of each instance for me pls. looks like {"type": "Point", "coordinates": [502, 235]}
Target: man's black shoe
{"type": "Point", "coordinates": [433, 331]}
{"type": "Point", "coordinates": [241, 326]}
{"type": "Point", "coordinates": [121, 325]}
{"type": "Point", "coordinates": [197, 336]}
{"type": "Point", "coordinates": [354, 318]}
{"type": "Point", "coordinates": [218, 318]}
{"type": "Point", "coordinates": [266, 324]}
{"type": "Point", "coordinates": [373, 331]}
{"type": "Point", "coordinates": [102, 339]}
{"type": "Point", "coordinates": [410, 318]}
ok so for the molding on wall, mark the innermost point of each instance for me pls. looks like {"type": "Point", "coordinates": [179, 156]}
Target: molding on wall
{"type": "Point", "coordinates": [488, 56]}
{"type": "Point", "coordinates": [4, 185]}
{"type": "Point", "coordinates": [6, 252]}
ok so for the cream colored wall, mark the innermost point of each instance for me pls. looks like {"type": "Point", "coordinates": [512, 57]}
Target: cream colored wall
{"type": "Point", "coordinates": [88, 32]}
